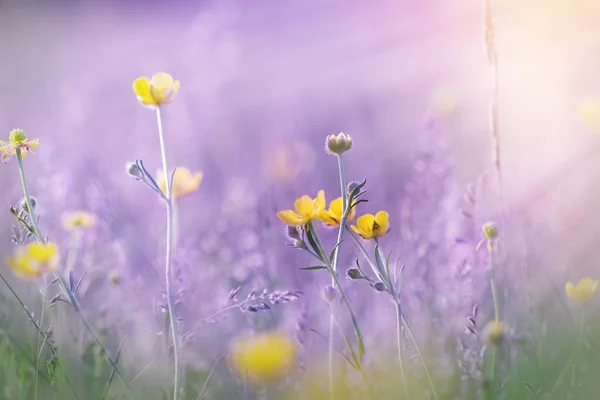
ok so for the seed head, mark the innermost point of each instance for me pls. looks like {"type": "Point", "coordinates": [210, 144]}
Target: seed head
{"type": "Point", "coordinates": [490, 230]}
{"type": "Point", "coordinates": [338, 144]}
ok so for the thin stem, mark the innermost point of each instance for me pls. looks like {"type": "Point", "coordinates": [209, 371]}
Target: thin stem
{"type": "Point", "coordinates": [363, 251]}
{"type": "Point", "coordinates": [420, 354]}
{"type": "Point", "coordinates": [42, 314]}
{"type": "Point", "coordinates": [492, 283]}
{"type": "Point", "coordinates": [168, 272]}
{"type": "Point", "coordinates": [400, 358]}
{"type": "Point", "coordinates": [61, 280]}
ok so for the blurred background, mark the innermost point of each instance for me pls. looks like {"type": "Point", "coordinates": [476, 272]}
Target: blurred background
{"type": "Point", "coordinates": [262, 83]}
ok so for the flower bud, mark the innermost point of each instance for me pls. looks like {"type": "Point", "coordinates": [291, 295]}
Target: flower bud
{"type": "Point", "coordinates": [490, 230]}
{"type": "Point", "coordinates": [379, 286]}
{"type": "Point", "coordinates": [353, 273]}
{"type": "Point", "coordinates": [23, 204]}
{"type": "Point", "coordinates": [114, 276]}
{"type": "Point", "coordinates": [494, 333]}
{"type": "Point", "coordinates": [329, 293]}
{"type": "Point", "coordinates": [338, 144]}
{"type": "Point", "coordinates": [134, 170]}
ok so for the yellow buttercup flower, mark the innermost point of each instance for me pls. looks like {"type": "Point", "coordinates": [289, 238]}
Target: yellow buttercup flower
{"type": "Point", "coordinates": [34, 259]}
{"type": "Point", "coordinates": [17, 140]}
{"type": "Point", "coordinates": [589, 112]}
{"type": "Point", "coordinates": [333, 216]}
{"type": "Point", "coordinates": [160, 89]}
{"type": "Point", "coordinates": [77, 219]}
{"type": "Point", "coordinates": [265, 357]}
{"type": "Point", "coordinates": [493, 333]}
{"type": "Point", "coordinates": [371, 226]}
{"type": "Point", "coordinates": [306, 209]}
{"type": "Point", "coordinates": [184, 182]}
{"type": "Point", "coordinates": [581, 293]}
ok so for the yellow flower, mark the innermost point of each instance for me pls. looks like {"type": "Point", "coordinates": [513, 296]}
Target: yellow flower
{"type": "Point", "coordinates": [306, 209]}
{"type": "Point", "coordinates": [265, 357]}
{"type": "Point", "coordinates": [493, 333]}
{"type": "Point", "coordinates": [77, 219]}
{"type": "Point", "coordinates": [34, 260]}
{"type": "Point", "coordinates": [371, 226]}
{"type": "Point", "coordinates": [184, 182]}
{"type": "Point", "coordinates": [17, 140]}
{"type": "Point", "coordinates": [581, 293]}
{"type": "Point", "coordinates": [161, 89]}
{"type": "Point", "coordinates": [589, 112]}
{"type": "Point", "coordinates": [333, 216]}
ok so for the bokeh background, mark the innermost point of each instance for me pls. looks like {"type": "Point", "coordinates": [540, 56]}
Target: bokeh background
{"type": "Point", "coordinates": [262, 83]}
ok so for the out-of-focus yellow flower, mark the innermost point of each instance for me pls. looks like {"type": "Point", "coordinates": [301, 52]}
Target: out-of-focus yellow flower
{"type": "Point", "coordinates": [17, 140]}
{"type": "Point", "coordinates": [184, 182]}
{"type": "Point", "coordinates": [34, 259]}
{"type": "Point", "coordinates": [371, 226]}
{"type": "Point", "coordinates": [114, 275]}
{"type": "Point", "coordinates": [306, 209]}
{"type": "Point", "coordinates": [443, 104]}
{"type": "Point", "coordinates": [493, 333]}
{"type": "Point", "coordinates": [160, 89]}
{"type": "Point", "coordinates": [589, 112]}
{"type": "Point", "coordinates": [285, 162]}
{"type": "Point", "coordinates": [77, 219]}
{"type": "Point", "coordinates": [581, 293]}
{"type": "Point", "coordinates": [265, 357]}
{"type": "Point", "coordinates": [333, 216]}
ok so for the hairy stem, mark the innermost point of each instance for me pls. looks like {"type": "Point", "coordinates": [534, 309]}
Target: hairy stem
{"type": "Point", "coordinates": [168, 272]}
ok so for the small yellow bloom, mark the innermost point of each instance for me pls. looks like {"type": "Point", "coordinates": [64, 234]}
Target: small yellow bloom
{"type": "Point", "coordinates": [265, 357]}
{"type": "Point", "coordinates": [34, 260]}
{"type": "Point", "coordinates": [306, 209]}
{"type": "Point", "coordinates": [581, 293]}
{"type": "Point", "coordinates": [589, 112]}
{"type": "Point", "coordinates": [17, 140]}
{"type": "Point", "coordinates": [494, 333]}
{"type": "Point", "coordinates": [371, 226]}
{"type": "Point", "coordinates": [333, 216]}
{"type": "Point", "coordinates": [184, 182]}
{"type": "Point", "coordinates": [77, 219]}
{"type": "Point", "coordinates": [161, 89]}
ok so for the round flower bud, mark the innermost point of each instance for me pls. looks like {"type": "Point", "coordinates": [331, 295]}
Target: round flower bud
{"type": "Point", "coordinates": [353, 273]}
{"type": "Point", "coordinates": [379, 286]}
{"type": "Point", "coordinates": [23, 204]}
{"type": "Point", "coordinates": [17, 136]}
{"type": "Point", "coordinates": [493, 333]}
{"type": "Point", "coordinates": [490, 230]}
{"type": "Point", "coordinates": [134, 170]}
{"type": "Point", "coordinates": [338, 144]}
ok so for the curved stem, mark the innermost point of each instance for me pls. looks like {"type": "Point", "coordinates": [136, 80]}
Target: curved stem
{"type": "Point", "coordinates": [399, 337]}
{"type": "Point", "coordinates": [61, 280]}
{"type": "Point", "coordinates": [168, 272]}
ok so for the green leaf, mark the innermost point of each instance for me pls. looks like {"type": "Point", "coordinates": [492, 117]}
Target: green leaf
{"type": "Point", "coordinates": [312, 268]}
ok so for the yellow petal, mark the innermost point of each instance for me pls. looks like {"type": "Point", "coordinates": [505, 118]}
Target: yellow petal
{"type": "Point", "coordinates": [304, 206]}
{"type": "Point", "coordinates": [382, 219]}
{"type": "Point", "coordinates": [328, 218]}
{"type": "Point", "coordinates": [319, 204]}
{"type": "Point", "coordinates": [335, 207]}
{"type": "Point", "coordinates": [365, 223]}
{"type": "Point", "coordinates": [162, 81]}
{"type": "Point", "coordinates": [142, 88]}
{"type": "Point", "coordinates": [569, 287]}
{"type": "Point", "coordinates": [289, 217]}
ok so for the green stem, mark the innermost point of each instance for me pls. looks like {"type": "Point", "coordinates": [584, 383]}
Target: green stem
{"type": "Point", "coordinates": [420, 354]}
{"type": "Point", "coordinates": [39, 354]}
{"type": "Point", "coordinates": [496, 311]}
{"type": "Point", "coordinates": [61, 280]}
{"type": "Point", "coordinates": [168, 272]}
{"type": "Point", "coordinates": [363, 251]}
{"type": "Point", "coordinates": [400, 358]}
